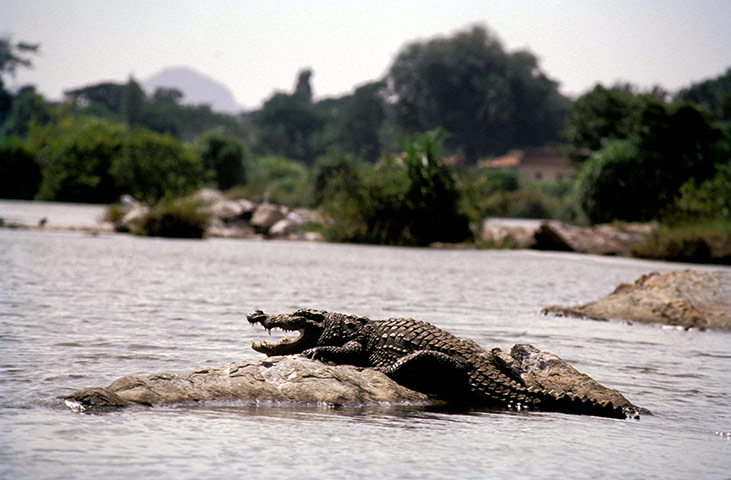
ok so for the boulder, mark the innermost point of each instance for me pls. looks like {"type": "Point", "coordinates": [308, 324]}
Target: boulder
{"type": "Point", "coordinates": [132, 218]}
{"type": "Point", "coordinates": [546, 371]}
{"type": "Point", "coordinates": [509, 232]}
{"type": "Point", "coordinates": [265, 216]}
{"type": "Point", "coordinates": [283, 228]}
{"type": "Point", "coordinates": [598, 240]}
{"type": "Point", "coordinates": [688, 298]}
{"type": "Point", "coordinates": [231, 229]}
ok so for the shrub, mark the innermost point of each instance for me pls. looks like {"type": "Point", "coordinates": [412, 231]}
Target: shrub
{"type": "Point", "coordinates": [410, 201]}
{"type": "Point", "coordinates": [76, 163]}
{"type": "Point", "coordinates": [224, 159]}
{"type": "Point", "coordinates": [701, 242]}
{"type": "Point", "coordinates": [20, 174]}
{"type": "Point", "coordinates": [185, 218]}
{"type": "Point", "coordinates": [277, 180]}
{"type": "Point", "coordinates": [150, 167]}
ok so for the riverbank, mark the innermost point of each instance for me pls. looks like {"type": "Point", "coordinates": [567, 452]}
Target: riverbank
{"type": "Point", "coordinates": [708, 243]}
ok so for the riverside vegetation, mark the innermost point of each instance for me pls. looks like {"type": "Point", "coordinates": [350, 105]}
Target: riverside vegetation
{"type": "Point", "coordinates": [396, 161]}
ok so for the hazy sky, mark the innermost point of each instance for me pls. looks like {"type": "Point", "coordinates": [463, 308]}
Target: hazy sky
{"type": "Point", "coordinates": [257, 46]}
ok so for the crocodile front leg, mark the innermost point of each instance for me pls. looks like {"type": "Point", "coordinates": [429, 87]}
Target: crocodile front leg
{"type": "Point", "coordinates": [350, 353]}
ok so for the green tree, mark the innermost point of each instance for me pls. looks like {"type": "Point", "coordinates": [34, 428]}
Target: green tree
{"type": "Point", "coordinates": [133, 99]}
{"type": "Point", "coordinates": [638, 179]}
{"type": "Point", "coordinates": [486, 99]}
{"type": "Point", "coordinates": [150, 167]}
{"type": "Point", "coordinates": [601, 115]}
{"type": "Point", "coordinates": [224, 157]}
{"type": "Point", "coordinates": [354, 122]}
{"type": "Point", "coordinates": [28, 107]}
{"type": "Point", "coordinates": [714, 94]}
{"type": "Point", "coordinates": [103, 99]}
{"type": "Point", "coordinates": [289, 125]}
{"type": "Point", "coordinates": [12, 56]}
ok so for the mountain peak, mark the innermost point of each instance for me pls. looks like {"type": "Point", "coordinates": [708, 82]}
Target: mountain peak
{"type": "Point", "coordinates": [197, 88]}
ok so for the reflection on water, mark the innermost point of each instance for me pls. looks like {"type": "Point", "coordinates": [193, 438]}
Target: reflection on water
{"type": "Point", "coordinates": [79, 310]}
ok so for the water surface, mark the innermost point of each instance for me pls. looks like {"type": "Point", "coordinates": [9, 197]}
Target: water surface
{"type": "Point", "coordinates": [80, 310]}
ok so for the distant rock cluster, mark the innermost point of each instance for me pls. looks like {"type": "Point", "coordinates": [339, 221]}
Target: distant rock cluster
{"type": "Point", "coordinates": [552, 235]}
{"type": "Point", "coordinates": [238, 218]}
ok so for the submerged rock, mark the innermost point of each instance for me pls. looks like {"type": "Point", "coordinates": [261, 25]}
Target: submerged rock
{"type": "Point", "coordinates": [689, 299]}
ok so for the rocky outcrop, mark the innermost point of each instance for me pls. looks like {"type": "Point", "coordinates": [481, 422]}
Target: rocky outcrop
{"type": "Point", "coordinates": [234, 218]}
{"type": "Point", "coordinates": [598, 240]}
{"type": "Point", "coordinates": [290, 379]}
{"type": "Point", "coordinates": [547, 371]}
{"type": "Point", "coordinates": [298, 380]}
{"type": "Point", "coordinates": [689, 299]}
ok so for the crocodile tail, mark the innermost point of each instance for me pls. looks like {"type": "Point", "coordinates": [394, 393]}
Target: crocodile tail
{"type": "Point", "coordinates": [579, 404]}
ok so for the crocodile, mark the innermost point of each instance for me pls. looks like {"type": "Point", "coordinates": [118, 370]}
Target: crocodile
{"type": "Point", "coordinates": [422, 357]}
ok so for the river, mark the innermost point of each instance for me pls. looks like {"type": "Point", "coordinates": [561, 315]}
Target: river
{"type": "Point", "coordinates": [81, 310]}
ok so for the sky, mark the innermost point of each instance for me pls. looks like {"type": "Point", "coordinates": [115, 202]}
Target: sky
{"type": "Point", "coordinates": [256, 47]}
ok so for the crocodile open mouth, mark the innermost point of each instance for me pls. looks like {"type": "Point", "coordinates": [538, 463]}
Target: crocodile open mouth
{"type": "Point", "coordinates": [285, 345]}
{"type": "Point", "coordinates": [306, 322]}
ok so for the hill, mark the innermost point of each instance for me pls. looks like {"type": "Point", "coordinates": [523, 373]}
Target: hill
{"type": "Point", "coordinates": [198, 88]}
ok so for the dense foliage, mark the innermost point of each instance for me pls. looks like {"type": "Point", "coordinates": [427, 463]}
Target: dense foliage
{"type": "Point", "coordinates": [409, 200]}
{"type": "Point", "coordinates": [639, 155]}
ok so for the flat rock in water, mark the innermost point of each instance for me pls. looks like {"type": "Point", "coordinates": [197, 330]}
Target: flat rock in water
{"type": "Point", "coordinates": [689, 299]}
{"type": "Point", "coordinates": [290, 379]}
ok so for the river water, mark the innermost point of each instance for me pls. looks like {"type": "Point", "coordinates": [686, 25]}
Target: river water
{"type": "Point", "coordinates": [81, 310]}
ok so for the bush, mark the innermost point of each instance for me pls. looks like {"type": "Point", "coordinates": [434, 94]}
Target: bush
{"type": "Point", "coordinates": [479, 186]}
{"type": "Point", "coordinates": [150, 167]}
{"type": "Point", "coordinates": [186, 218]}
{"type": "Point", "coordinates": [276, 180]}
{"type": "Point", "coordinates": [224, 159]}
{"type": "Point", "coordinates": [700, 242]}
{"type": "Point", "coordinates": [606, 188]}
{"type": "Point", "coordinates": [20, 175]}
{"type": "Point", "coordinates": [76, 163]}
{"type": "Point", "coordinates": [413, 201]}
{"type": "Point", "coordinates": [524, 203]}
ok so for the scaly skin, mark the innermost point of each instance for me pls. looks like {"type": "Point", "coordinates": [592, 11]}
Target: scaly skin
{"type": "Point", "coordinates": [420, 356]}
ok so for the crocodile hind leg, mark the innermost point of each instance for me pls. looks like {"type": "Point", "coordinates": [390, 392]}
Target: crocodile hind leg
{"type": "Point", "coordinates": [433, 373]}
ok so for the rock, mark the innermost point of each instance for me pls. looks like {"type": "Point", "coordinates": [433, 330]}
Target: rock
{"type": "Point", "coordinates": [546, 371]}
{"type": "Point", "coordinates": [132, 218]}
{"type": "Point", "coordinates": [291, 379]}
{"type": "Point", "coordinates": [598, 240]}
{"type": "Point", "coordinates": [230, 229]}
{"type": "Point", "coordinates": [689, 299]}
{"type": "Point", "coordinates": [283, 228]}
{"type": "Point", "coordinates": [209, 196]}
{"type": "Point", "coordinates": [509, 232]}
{"type": "Point", "coordinates": [265, 216]}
